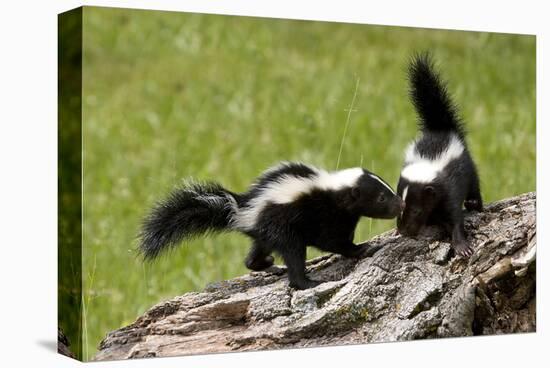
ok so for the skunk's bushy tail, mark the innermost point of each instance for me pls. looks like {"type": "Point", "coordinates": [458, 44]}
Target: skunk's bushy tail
{"type": "Point", "coordinates": [189, 211]}
{"type": "Point", "coordinates": [430, 97]}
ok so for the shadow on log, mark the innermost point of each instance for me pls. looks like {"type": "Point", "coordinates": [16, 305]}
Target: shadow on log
{"type": "Point", "coordinates": [408, 289]}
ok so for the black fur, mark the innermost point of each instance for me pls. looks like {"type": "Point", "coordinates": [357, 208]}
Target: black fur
{"type": "Point", "coordinates": [429, 95]}
{"type": "Point", "coordinates": [184, 214]}
{"type": "Point", "coordinates": [325, 219]}
{"type": "Point", "coordinates": [439, 201]}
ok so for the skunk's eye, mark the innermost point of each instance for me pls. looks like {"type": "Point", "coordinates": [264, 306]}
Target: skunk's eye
{"type": "Point", "coordinates": [416, 211]}
{"type": "Point", "coordinates": [381, 198]}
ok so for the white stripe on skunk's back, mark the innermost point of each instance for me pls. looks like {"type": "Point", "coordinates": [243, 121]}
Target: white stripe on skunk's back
{"type": "Point", "coordinates": [288, 188]}
{"type": "Point", "coordinates": [420, 169]}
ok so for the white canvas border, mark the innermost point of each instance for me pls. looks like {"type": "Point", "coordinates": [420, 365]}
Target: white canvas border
{"type": "Point", "coordinates": [28, 144]}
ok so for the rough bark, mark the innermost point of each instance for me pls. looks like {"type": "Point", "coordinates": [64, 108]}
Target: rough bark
{"type": "Point", "coordinates": [63, 344]}
{"type": "Point", "coordinates": [407, 289]}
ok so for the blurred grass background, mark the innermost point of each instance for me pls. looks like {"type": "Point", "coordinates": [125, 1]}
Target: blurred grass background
{"type": "Point", "coordinates": [169, 95]}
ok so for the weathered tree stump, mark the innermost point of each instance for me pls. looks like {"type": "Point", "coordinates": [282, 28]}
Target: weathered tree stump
{"type": "Point", "coordinates": [407, 289]}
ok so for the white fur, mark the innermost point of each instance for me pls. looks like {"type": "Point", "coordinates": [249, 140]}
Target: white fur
{"type": "Point", "coordinates": [410, 153]}
{"type": "Point", "coordinates": [382, 182]}
{"type": "Point", "coordinates": [405, 191]}
{"type": "Point", "coordinates": [420, 169]}
{"type": "Point", "coordinates": [288, 188]}
{"type": "Point", "coordinates": [338, 179]}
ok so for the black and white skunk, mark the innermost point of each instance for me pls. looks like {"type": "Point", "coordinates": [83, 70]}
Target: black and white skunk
{"type": "Point", "coordinates": [289, 207]}
{"type": "Point", "coordinates": [438, 175]}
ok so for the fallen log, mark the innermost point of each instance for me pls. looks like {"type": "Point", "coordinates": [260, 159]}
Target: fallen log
{"type": "Point", "coordinates": [404, 289]}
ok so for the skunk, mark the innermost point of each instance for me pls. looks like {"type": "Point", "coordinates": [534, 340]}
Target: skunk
{"type": "Point", "coordinates": [438, 175]}
{"type": "Point", "coordinates": [289, 207]}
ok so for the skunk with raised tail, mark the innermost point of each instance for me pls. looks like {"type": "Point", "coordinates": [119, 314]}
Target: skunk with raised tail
{"type": "Point", "coordinates": [289, 207]}
{"type": "Point", "coordinates": [438, 176]}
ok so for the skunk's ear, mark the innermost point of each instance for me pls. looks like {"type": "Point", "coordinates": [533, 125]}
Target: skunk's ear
{"type": "Point", "coordinates": [429, 190]}
{"type": "Point", "coordinates": [355, 193]}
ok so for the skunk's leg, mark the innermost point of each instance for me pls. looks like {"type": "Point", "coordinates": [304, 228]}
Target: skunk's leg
{"type": "Point", "coordinates": [294, 256]}
{"type": "Point", "coordinates": [473, 201]}
{"type": "Point", "coordinates": [459, 242]}
{"type": "Point", "coordinates": [259, 257]}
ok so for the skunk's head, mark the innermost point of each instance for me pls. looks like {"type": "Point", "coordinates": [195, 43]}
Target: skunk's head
{"type": "Point", "coordinates": [373, 197]}
{"type": "Point", "coordinates": [420, 200]}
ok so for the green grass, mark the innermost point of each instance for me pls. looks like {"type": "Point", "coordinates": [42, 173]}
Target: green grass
{"type": "Point", "coordinates": [168, 96]}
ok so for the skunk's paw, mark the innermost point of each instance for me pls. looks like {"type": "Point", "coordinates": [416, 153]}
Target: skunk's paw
{"type": "Point", "coordinates": [304, 284]}
{"type": "Point", "coordinates": [259, 264]}
{"type": "Point", "coordinates": [473, 205]}
{"type": "Point", "coordinates": [463, 249]}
